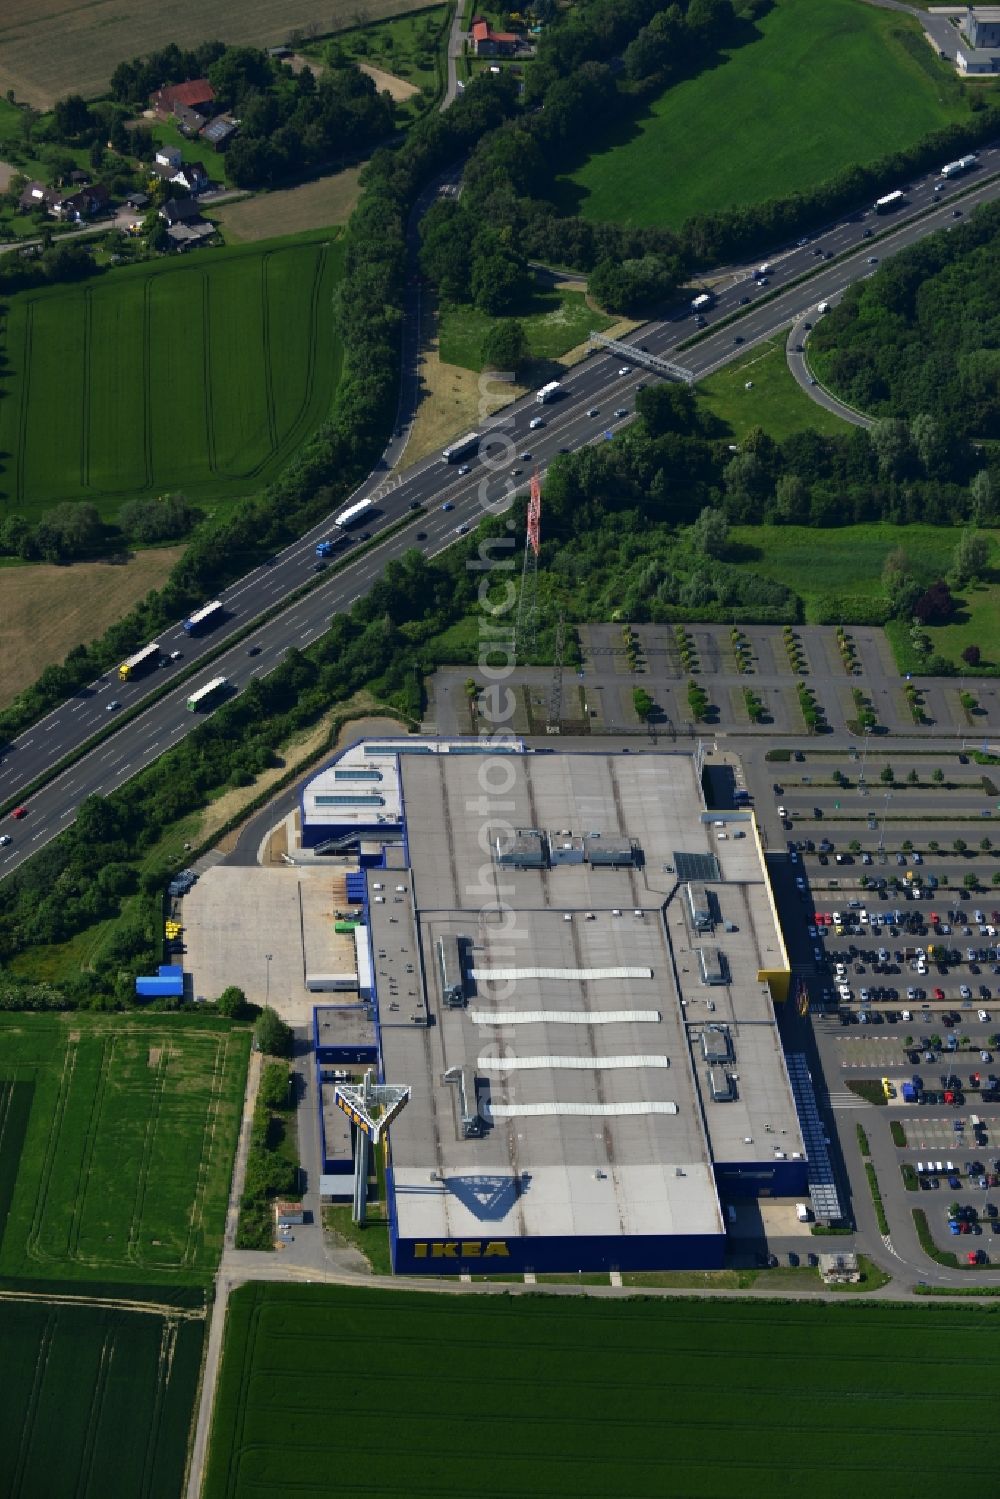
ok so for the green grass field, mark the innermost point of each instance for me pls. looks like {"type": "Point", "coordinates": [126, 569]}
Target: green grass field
{"type": "Point", "coordinates": [554, 322]}
{"type": "Point", "coordinates": [830, 83]}
{"type": "Point", "coordinates": [118, 1136]}
{"type": "Point", "coordinates": [776, 402]}
{"type": "Point", "coordinates": [201, 375]}
{"type": "Point", "coordinates": [845, 565]}
{"type": "Point", "coordinates": [97, 1400]}
{"type": "Point", "coordinates": [688, 1399]}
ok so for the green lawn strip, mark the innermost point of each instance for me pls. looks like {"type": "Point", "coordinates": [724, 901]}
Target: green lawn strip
{"type": "Point", "coordinates": [883, 1222]}
{"type": "Point", "coordinates": [96, 1391]}
{"type": "Point", "coordinates": [927, 1243]}
{"type": "Point", "coordinates": [838, 574]}
{"type": "Point", "coordinates": [654, 1363]}
{"type": "Point", "coordinates": [554, 321]}
{"type": "Point", "coordinates": [370, 1239]}
{"type": "Point", "coordinates": [98, 385]}
{"type": "Point", "coordinates": [124, 1167]}
{"type": "Point", "coordinates": [777, 403]}
{"type": "Point", "coordinates": [851, 91]}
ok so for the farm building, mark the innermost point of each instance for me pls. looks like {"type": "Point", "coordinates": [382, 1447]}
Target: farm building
{"type": "Point", "coordinates": [489, 43]}
{"type": "Point", "coordinates": [196, 93]}
{"type": "Point", "coordinates": [595, 1073]}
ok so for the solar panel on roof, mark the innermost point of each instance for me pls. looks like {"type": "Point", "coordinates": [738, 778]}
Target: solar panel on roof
{"type": "Point", "coordinates": [696, 866]}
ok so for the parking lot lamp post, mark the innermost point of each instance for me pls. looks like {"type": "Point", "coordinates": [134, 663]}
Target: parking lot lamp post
{"type": "Point", "coordinates": [881, 836]}
{"type": "Point", "coordinates": [267, 988]}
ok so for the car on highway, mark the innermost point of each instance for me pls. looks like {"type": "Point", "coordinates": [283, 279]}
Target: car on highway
{"type": "Point", "coordinates": [113, 706]}
{"type": "Point", "coordinates": [738, 338]}
{"type": "Point", "coordinates": [5, 838]}
{"type": "Point", "coordinates": [461, 530]}
{"type": "Point", "coordinates": [18, 813]}
{"type": "Point", "coordinates": [421, 535]}
{"type": "Point", "coordinates": [447, 505]}
{"type": "Point", "coordinates": [536, 422]}
{"type": "Point", "coordinates": [464, 469]}
{"type": "Point", "coordinates": [176, 655]}
{"type": "Point", "coordinates": [320, 567]}
{"type": "Point", "coordinates": [524, 457]}
{"type": "Point", "coordinates": [621, 411]}
{"type": "Point", "coordinates": [744, 301]}
{"type": "Point", "coordinates": [626, 369]}
{"type": "Point", "coordinates": [956, 213]}
{"type": "Point", "coordinates": [253, 650]}
{"type": "Point", "coordinates": [594, 411]}
{"type": "Point", "coordinates": [873, 260]}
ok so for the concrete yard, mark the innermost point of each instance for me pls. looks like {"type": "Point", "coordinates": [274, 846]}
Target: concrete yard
{"type": "Point", "coordinates": [234, 917]}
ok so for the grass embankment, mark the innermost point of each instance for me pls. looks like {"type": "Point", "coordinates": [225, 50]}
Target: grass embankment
{"type": "Point", "coordinates": [119, 1133]}
{"type": "Point", "coordinates": [670, 1421]}
{"type": "Point", "coordinates": [203, 376]}
{"type": "Point", "coordinates": [829, 84]}
{"type": "Point", "coordinates": [775, 402]}
{"type": "Point", "coordinates": [555, 320]}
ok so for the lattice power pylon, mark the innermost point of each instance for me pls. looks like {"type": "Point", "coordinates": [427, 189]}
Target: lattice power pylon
{"type": "Point", "coordinates": [371, 1108]}
{"type": "Point", "coordinates": [526, 636]}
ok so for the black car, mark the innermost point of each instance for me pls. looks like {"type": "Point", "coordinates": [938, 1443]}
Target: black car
{"type": "Point", "coordinates": [253, 650]}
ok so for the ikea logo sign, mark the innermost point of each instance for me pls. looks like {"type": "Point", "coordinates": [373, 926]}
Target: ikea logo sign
{"type": "Point", "coordinates": [462, 1249]}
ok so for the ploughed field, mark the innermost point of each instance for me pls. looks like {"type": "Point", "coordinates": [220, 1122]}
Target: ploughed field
{"type": "Point", "coordinates": [201, 375]}
{"type": "Point", "coordinates": [517, 1398]}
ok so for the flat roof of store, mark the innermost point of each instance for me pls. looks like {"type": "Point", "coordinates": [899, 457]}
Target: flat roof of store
{"type": "Point", "coordinates": [588, 1064]}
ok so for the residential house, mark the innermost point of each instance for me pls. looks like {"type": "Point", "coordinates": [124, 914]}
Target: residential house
{"type": "Point", "coordinates": [86, 203]}
{"type": "Point", "coordinates": [137, 200]}
{"type": "Point", "coordinates": [190, 121]}
{"type": "Point", "coordinates": [489, 43]}
{"type": "Point", "coordinates": [195, 93]}
{"type": "Point", "coordinates": [169, 167]}
{"type": "Point", "coordinates": [183, 236]}
{"type": "Point", "coordinates": [37, 195]}
{"type": "Point", "coordinates": [191, 175]}
{"type": "Point", "coordinates": [180, 211]}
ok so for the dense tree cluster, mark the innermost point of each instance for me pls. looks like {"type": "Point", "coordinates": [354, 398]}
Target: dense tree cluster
{"type": "Point", "coordinates": [922, 339]}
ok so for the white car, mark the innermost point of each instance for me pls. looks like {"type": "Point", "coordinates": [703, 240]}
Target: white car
{"type": "Point", "coordinates": [782, 811]}
{"type": "Point", "coordinates": [965, 991]}
{"type": "Point", "coordinates": [5, 838]}
{"type": "Point", "coordinates": [626, 369]}
{"type": "Point", "coordinates": [985, 1056]}
{"type": "Point", "coordinates": [983, 1017]}
{"type": "Point", "coordinates": [535, 423]}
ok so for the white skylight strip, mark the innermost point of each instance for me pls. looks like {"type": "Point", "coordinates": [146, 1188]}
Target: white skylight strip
{"type": "Point", "coordinates": [577, 975]}
{"type": "Point", "coordinates": [578, 1110]}
{"type": "Point", "coordinates": [581, 1064]}
{"type": "Point", "coordinates": [563, 1017]}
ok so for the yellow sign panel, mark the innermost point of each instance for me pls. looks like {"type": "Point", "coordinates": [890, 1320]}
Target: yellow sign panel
{"type": "Point", "coordinates": [462, 1249]}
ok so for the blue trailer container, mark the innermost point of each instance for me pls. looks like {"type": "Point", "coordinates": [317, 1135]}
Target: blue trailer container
{"type": "Point", "coordinates": [167, 984]}
{"type": "Point", "coordinates": [909, 1093]}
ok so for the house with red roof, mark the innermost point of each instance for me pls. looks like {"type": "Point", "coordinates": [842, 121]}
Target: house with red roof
{"type": "Point", "coordinates": [489, 43]}
{"type": "Point", "coordinates": [196, 94]}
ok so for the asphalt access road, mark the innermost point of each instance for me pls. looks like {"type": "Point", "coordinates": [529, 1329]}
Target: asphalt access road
{"type": "Point", "coordinates": [593, 385]}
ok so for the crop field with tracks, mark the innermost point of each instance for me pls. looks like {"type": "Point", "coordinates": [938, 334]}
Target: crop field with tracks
{"type": "Point", "coordinates": [202, 376]}
{"type": "Point", "coordinates": [827, 84]}
{"type": "Point", "coordinates": [518, 1398]}
{"type": "Point", "coordinates": [116, 1145]}
{"type": "Point", "coordinates": [97, 1399]}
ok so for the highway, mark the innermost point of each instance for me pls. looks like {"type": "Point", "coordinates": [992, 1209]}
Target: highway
{"type": "Point", "coordinates": [593, 385]}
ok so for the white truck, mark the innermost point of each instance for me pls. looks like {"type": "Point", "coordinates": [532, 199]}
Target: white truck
{"type": "Point", "coordinates": [956, 168]}
{"type": "Point", "coordinates": [802, 1212]}
{"type": "Point", "coordinates": [703, 302]}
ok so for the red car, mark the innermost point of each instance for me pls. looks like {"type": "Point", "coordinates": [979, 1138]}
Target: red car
{"type": "Point", "coordinates": [939, 994]}
{"type": "Point", "coordinates": [949, 1096]}
{"type": "Point", "coordinates": [973, 1256]}
{"type": "Point", "coordinates": [19, 812]}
